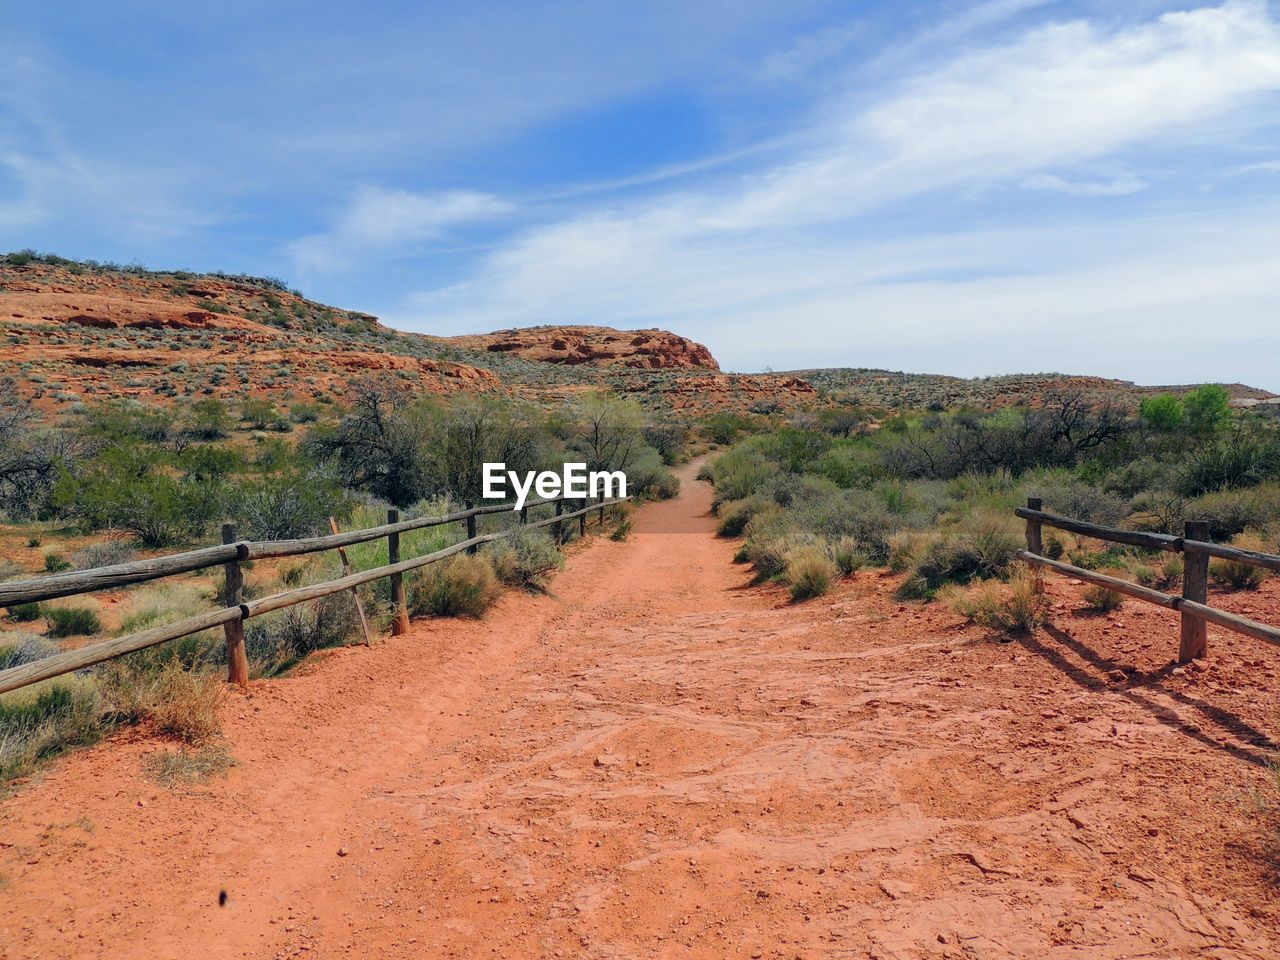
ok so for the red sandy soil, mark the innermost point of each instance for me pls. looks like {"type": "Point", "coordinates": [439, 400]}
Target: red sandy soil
{"type": "Point", "coordinates": [662, 760]}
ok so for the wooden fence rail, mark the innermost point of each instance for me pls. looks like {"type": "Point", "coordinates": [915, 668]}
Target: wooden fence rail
{"type": "Point", "coordinates": [1195, 546]}
{"type": "Point", "coordinates": [235, 611]}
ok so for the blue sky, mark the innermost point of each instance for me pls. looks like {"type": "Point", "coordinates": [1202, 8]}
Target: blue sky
{"type": "Point", "coordinates": [1008, 185]}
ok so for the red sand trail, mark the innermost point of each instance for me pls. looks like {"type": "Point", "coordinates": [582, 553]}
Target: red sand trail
{"type": "Point", "coordinates": [662, 760]}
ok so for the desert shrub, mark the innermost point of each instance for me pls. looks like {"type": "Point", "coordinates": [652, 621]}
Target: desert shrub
{"type": "Point", "coordinates": [103, 554]}
{"type": "Point", "coordinates": [162, 603]}
{"type": "Point", "coordinates": [1015, 607]}
{"type": "Point", "coordinates": [462, 586]}
{"type": "Point", "coordinates": [137, 491]}
{"type": "Point", "coordinates": [56, 563]}
{"type": "Point", "coordinates": [1239, 575]}
{"type": "Point", "coordinates": [1230, 512]}
{"type": "Point", "coordinates": [809, 572]}
{"type": "Point", "coordinates": [19, 648]}
{"type": "Point", "coordinates": [848, 556]}
{"type": "Point", "coordinates": [768, 553]}
{"type": "Point", "coordinates": [176, 699]}
{"type": "Point", "coordinates": [526, 559]}
{"type": "Point", "coordinates": [734, 515]}
{"type": "Point", "coordinates": [71, 621]}
{"type": "Point", "coordinates": [24, 612]}
{"type": "Point", "coordinates": [1101, 599]}
{"type": "Point", "coordinates": [291, 503]}
{"type": "Point", "coordinates": [1070, 497]}
{"type": "Point", "coordinates": [44, 719]}
{"type": "Point", "coordinates": [978, 548]}
{"type": "Point", "coordinates": [279, 640]}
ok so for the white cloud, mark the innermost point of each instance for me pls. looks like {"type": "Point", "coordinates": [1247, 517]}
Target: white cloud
{"type": "Point", "coordinates": [376, 219]}
{"type": "Point", "coordinates": [778, 258]}
{"type": "Point", "coordinates": [1115, 187]}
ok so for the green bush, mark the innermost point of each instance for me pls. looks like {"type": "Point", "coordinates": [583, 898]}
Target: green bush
{"type": "Point", "coordinates": [56, 563]}
{"type": "Point", "coordinates": [462, 586]}
{"type": "Point", "coordinates": [24, 612]}
{"type": "Point", "coordinates": [71, 621]}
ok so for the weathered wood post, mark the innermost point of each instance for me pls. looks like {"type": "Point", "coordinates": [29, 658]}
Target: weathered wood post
{"type": "Point", "coordinates": [524, 515]}
{"type": "Point", "coordinates": [582, 521]}
{"type": "Point", "coordinates": [602, 508]}
{"type": "Point", "coordinates": [1195, 586]}
{"type": "Point", "coordinates": [557, 527]}
{"type": "Point", "coordinates": [471, 528]}
{"type": "Point", "coordinates": [400, 622]}
{"type": "Point", "coordinates": [1035, 540]}
{"type": "Point", "coordinates": [233, 596]}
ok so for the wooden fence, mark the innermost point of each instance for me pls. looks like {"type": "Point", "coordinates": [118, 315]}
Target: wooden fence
{"type": "Point", "coordinates": [235, 609]}
{"type": "Point", "coordinates": [1195, 546]}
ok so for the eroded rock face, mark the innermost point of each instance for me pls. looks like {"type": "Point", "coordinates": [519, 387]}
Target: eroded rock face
{"type": "Point", "coordinates": [597, 347]}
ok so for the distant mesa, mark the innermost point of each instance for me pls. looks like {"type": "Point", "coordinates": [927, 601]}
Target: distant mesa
{"type": "Point", "coordinates": [595, 346]}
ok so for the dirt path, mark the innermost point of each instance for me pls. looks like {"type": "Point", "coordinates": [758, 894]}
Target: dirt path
{"type": "Point", "coordinates": [661, 760]}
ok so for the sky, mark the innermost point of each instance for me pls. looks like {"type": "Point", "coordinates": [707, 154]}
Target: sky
{"type": "Point", "coordinates": [965, 188]}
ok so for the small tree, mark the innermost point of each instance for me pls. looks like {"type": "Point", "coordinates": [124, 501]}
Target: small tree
{"type": "Point", "coordinates": [382, 445]}
{"type": "Point", "coordinates": [1208, 408]}
{"type": "Point", "coordinates": [1163, 412]}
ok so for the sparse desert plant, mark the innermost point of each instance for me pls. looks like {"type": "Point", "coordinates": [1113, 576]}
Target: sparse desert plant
{"type": "Point", "coordinates": [1016, 607]}
{"type": "Point", "coordinates": [526, 559]}
{"type": "Point", "coordinates": [103, 554]}
{"type": "Point", "coordinates": [56, 563]}
{"type": "Point", "coordinates": [19, 648]}
{"type": "Point", "coordinates": [1100, 599]}
{"type": "Point", "coordinates": [1237, 574]}
{"type": "Point", "coordinates": [809, 572]}
{"type": "Point", "coordinates": [462, 586]}
{"type": "Point", "coordinates": [187, 766]}
{"type": "Point", "coordinates": [848, 556]}
{"type": "Point", "coordinates": [24, 612]}
{"type": "Point", "coordinates": [179, 700]}
{"type": "Point", "coordinates": [279, 640]}
{"type": "Point", "coordinates": [46, 718]}
{"type": "Point", "coordinates": [71, 621]}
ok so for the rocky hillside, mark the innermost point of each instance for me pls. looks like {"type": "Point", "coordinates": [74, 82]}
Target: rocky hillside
{"type": "Point", "coordinates": [596, 346]}
{"type": "Point", "coordinates": [895, 390]}
{"type": "Point", "coordinates": [74, 333]}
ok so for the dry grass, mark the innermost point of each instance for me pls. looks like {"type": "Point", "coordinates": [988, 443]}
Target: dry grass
{"type": "Point", "coordinates": [1242, 576]}
{"type": "Point", "coordinates": [462, 586]}
{"type": "Point", "coordinates": [185, 766]}
{"type": "Point", "coordinates": [1015, 607]}
{"type": "Point", "coordinates": [809, 572]}
{"type": "Point", "coordinates": [178, 701]}
{"type": "Point", "coordinates": [1101, 599]}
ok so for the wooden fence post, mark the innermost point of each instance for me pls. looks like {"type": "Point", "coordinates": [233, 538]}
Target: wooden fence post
{"type": "Point", "coordinates": [602, 508]}
{"type": "Point", "coordinates": [582, 522]}
{"type": "Point", "coordinates": [400, 621]}
{"type": "Point", "coordinates": [233, 596]}
{"type": "Point", "coordinates": [1195, 586]}
{"type": "Point", "coordinates": [1035, 540]}
{"type": "Point", "coordinates": [557, 527]}
{"type": "Point", "coordinates": [524, 515]}
{"type": "Point", "coordinates": [471, 528]}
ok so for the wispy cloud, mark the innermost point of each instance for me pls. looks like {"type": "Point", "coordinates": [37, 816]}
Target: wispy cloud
{"type": "Point", "coordinates": [1114, 187]}
{"type": "Point", "coordinates": [376, 219]}
{"type": "Point", "coordinates": [1063, 94]}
